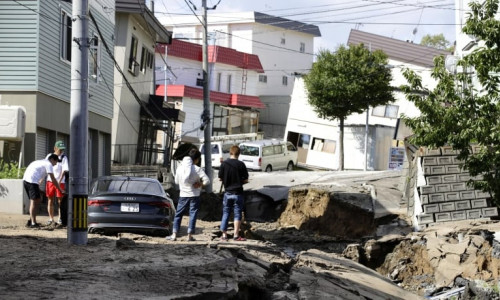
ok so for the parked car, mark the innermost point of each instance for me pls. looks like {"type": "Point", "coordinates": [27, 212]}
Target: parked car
{"type": "Point", "coordinates": [220, 152]}
{"type": "Point", "coordinates": [268, 155]}
{"type": "Point", "coordinates": [129, 204]}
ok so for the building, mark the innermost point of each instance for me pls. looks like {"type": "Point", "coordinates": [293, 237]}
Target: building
{"type": "Point", "coordinates": [35, 65]}
{"type": "Point", "coordinates": [317, 139]}
{"type": "Point", "coordinates": [233, 103]}
{"type": "Point", "coordinates": [283, 46]}
{"type": "Point", "coordinates": [138, 114]}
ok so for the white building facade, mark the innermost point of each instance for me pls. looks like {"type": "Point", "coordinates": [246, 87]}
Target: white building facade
{"type": "Point", "coordinates": [317, 139]}
{"type": "Point", "coordinates": [283, 46]}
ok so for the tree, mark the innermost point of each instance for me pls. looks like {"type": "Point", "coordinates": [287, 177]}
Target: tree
{"type": "Point", "coordinates": [347, 81]}
{"type": "Point", "coordinates": [437, 41]}
{"type": "Point", "coordinates": [457, 113]}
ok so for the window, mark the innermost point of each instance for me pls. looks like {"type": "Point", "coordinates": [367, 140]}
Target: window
{"type": "Point", "coordinates": [386, 111]}
{"type": "Point", "coordinates": [229, 83]}
{"type": "Point", "coordinates": [219, 77]}
{"type": "Point", "coordinates": [284, 80]}
{"type": "Point", "coordinates": [143, 59]}
{"type": "Point", "coordinates": [66, 36]}
{"type": "Point", "coordinates": [304, 141]}
{"type": "Point", "coordinates": [263, 78]}
{"type": "Point", "coordinates": [132, 62]}
{"type": "Point", "coordinates": [94, 59]}
{"type": "Point", "coordinates": [324, 145]}
{"type": "Point", "coordinates": [283, 41]}
{"type": "Point", "coordinates": [302, 47]}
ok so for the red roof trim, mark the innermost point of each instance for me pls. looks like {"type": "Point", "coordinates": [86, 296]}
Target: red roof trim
{"type": "Point", "coordinates": [215, 97]}
{"type": "Point", "coordinates": [216, 54]}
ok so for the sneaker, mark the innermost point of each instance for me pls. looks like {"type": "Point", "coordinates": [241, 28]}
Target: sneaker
{"type": "Point", "coordinates": [28, 224]}
{"type": "Point", "coordinates": [34, 225]}
{"type": "Point", "coordinates": [239, 239]}
{"type": "Point", "coordinates": [171, 238]}
{"type": "Point", "coordinates": [191, 239]}
{"type": "Point", "coordinates": [223, 238]}
{"type": "Point", "coordinates": [49, 222]}
{"type": "Point", "coordinates": [59, 222]}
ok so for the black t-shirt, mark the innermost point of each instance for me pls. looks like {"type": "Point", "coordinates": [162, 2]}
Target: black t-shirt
{"type": "Point", "coordinates": [233, 172]}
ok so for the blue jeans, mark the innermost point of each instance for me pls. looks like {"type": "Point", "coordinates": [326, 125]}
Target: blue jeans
{"type": "Point", "coordinates": [182, 205]}
{"type": "Point", "coordinates": [231, 202]}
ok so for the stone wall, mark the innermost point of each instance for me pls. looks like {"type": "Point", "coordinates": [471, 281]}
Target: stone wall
{"type": "Point", "coordinates": [443, 192]}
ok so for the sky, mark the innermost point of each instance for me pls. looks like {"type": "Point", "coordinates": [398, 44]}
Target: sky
{"type": "Point", "coordinates": [399, 19]}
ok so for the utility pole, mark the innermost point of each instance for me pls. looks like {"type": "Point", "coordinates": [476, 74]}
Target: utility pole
{"type": "Point", "coordinates": [78, 158]}
{"type": "Point", "coordinates": [206, 102]}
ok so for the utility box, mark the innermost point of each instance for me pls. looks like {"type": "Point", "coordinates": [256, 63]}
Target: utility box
{"type": "Point", "coordinates": [12, 122]}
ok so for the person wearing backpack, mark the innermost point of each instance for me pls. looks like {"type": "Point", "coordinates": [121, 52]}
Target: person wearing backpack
{"type": "Point", "coordinates": [60, 171]}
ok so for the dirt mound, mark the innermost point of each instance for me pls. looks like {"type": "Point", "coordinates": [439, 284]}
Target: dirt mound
{"type": "Point", "coordinates": [328, 211]}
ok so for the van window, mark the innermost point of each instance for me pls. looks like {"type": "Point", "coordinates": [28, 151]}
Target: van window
{"type": "Point", "coordinates": [266, 151]}
{"type": "Point", "coordinates": [226, 148]}
{"type": "Point", "coordinates": [215, 149]}
{"type": "Point", "coordinates": [249, 150]}
{"type": "Point", "coordinates": [290, 147]}
{"type": "Point", "coordinates": [278, 149]}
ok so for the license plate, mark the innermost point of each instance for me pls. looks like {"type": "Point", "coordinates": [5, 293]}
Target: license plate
{"type": "Point", "coordinates": [130, 207]}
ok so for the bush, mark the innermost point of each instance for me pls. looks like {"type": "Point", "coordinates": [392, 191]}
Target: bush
{"type": "Point", "coordinates": [9, 170]}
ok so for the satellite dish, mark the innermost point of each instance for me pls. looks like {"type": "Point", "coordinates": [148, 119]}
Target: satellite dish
{"type": "Point", "coordinates": [450, 63]}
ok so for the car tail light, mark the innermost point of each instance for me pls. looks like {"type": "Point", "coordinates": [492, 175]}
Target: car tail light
{"type": "Point", "coordinates": [260, 161]}
{"type": "Point", "coordinates": [98, 202]}
{"type": "Point", "coordinates": [159, 204]}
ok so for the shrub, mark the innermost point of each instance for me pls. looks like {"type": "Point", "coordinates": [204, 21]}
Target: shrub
{"type": "Point", "coordinates": [9, 170]}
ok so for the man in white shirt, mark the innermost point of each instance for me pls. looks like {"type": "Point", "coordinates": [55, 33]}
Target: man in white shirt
{"type": "Point", "coordinates": [60, 170]}
{"type": "Point", "coordinates": [34, 174]}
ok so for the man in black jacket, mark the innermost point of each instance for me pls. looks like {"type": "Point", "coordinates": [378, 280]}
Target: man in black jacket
{"type": "Point", "coordinates": [233, 174]}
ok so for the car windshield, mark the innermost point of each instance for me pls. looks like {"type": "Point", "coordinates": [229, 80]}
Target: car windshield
{"type": "Point", "coordinates": [127, 185]}
{"type": "Point", "coordinates": [249, 150]}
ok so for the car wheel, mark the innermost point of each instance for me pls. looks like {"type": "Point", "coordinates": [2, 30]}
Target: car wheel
{"type": "Point", "coordinates": [269, 168]}
{"type": "Point", "coordinates": [290, 166]}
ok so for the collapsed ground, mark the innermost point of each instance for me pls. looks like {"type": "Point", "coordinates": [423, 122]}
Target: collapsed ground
{"type": "Point", "coordinates": [295, 257]}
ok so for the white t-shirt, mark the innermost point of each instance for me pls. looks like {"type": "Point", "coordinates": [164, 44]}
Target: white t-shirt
{"type": "Point", "coordinates": [37, 170]}
{"type": "Point", "coordinates": [60, 167]}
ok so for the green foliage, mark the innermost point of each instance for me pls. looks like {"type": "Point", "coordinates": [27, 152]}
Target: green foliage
{"type": "Point", "coordinates": [459, 114]}
{"type": "Point", "coordinates": [9, 170]}
{"type": "Point", "coordinates": [347, 81]}
{"type": "Point", "coordinates": [437, 41]}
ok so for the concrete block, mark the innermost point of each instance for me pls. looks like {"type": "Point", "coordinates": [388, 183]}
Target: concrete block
{"type": "Point", "coordinates": [433, 179]}
{"type": "Point", "coordinates": [429, 161]}
{"type": "Point", "coordinates": [427, 170]}
{"type": "Point", "coordinates": [442, 217]}
{"type": "Point", "coordinates": [453, 169]}
{"type": "Point", "coordinates": [433, 198]}
{"type": "Point", "coordinates": [449, 178]}
{"type": "Point", "coordinates": [431, 208]}
{"type": "Point", "coordinates": [464, 204]}
{"type": "Point", "coordinates": [442, 188]}
{"type": "Point", "coordinates": [445, 160]}
{"type": "Point", "coordinates": [448, 150]}
{"type": "Point", "coordinates": [425, 218]}
{"type": "Point", "coordinates": [467, 195]}
{"type": "Point", "coordinates": [478, 203]}
{"type": "Point", "coordinates": [424, 199]}
{"type": "Point", "coordinates": [476, 148]}
{"type": "Point", "coordinates": [457, 161]}
{"type": "Point", "coordinates": [463, 177]}
{"type": "Point", "coordinates": [489, 211]}
{"type": "Point", "coordinates": [447, 206]}
{"type": "Point", "coordinates": [458, 215]}
{"type": "Point", "coordinates": [481, 194]}
{"type": "Point", "coordinates": [427, 189]}
{"type": "Point", "coordinates": [458, 186]}
{"type": "Point", "coordinates": [436, 170]}
{"type": "Point", "coordinates": [431, 152]}
{"type": "Point", "coordinates": [473, 213]}
{"type": "Point", "coordinates": [452, 196]}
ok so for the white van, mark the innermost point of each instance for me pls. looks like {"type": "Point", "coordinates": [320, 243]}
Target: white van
{"type": "Point", "coordinates": [268, 155]}
{"type": "Point", "coordinates": [220, 152]}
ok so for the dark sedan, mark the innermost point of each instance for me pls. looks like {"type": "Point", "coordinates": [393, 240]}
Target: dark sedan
{"type": "Point", "coordinates": [129, 204]}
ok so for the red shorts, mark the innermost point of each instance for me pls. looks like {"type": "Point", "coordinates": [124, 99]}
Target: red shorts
{"type": "Point", "coordinates": [51, 190]}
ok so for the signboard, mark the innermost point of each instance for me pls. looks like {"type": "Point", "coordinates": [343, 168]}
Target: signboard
{"type": "Point", "coordinates": [396, 158]}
